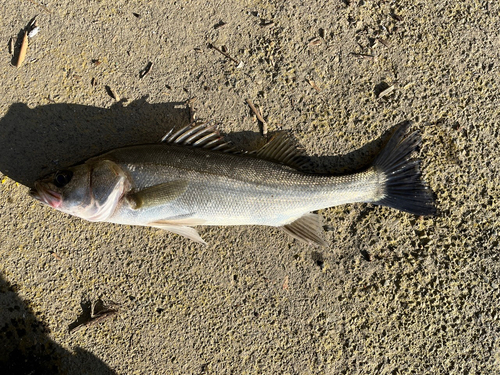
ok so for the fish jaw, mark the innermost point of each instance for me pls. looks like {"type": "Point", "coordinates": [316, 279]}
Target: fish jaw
{"type": "Point", "coordinates": [47, 194]}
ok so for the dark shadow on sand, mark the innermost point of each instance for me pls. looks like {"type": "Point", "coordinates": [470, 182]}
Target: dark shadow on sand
{"type": "Point", "coordinates": [38, 141]}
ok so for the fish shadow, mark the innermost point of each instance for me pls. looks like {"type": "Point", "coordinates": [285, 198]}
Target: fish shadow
{"type": "Point", "coordinates": [26, 347]}
{"type": "Point", "coordinates": [351, 162]}
{"type": "Point", "coordinates": [37, 141]}
{"type": "Point", "coordinates": [354, 161]}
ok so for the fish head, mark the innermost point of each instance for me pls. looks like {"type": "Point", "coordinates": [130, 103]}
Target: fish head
{"type": "Point", "coordinates": [92, 190]}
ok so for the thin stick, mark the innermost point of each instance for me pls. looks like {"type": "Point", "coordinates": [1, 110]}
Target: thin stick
{"type": "Point", "coordinates": [313, 85]}
{"type": "Point", "coordinates": [11, 46]}
{"type": "Point", "coordinates": [386, 92]}
{"type": "Point", "coordinates": [259, 116]}
{"type": "Point", "coordinates": [23, 50]}
{"type": "Point", "coordinates": [146, 70]}
{"type": "Point", "coordinates": [224, 53]}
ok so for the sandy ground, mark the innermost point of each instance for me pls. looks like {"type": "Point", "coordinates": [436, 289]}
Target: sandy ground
{"type": "Point", "coordinates": [393, 294]}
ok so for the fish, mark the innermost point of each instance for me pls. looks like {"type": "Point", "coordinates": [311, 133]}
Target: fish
{"type": "Point", "coordinates": [195, 177]}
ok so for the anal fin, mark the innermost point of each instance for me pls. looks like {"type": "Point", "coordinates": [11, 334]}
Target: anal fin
{"type": "Point", "coordinates": [307, 228]}
{"type": "Point", "coordinates": [181, 226]}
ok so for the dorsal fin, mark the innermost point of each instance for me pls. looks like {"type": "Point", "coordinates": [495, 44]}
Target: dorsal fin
{"type": "Point", "coordinates": [282, 149]}
{"type": "Point", "coordinates": [202, 135]}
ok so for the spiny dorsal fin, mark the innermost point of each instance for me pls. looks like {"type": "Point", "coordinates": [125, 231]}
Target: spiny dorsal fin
{"type": "Point", "coordinates": [281, 149]}
{"type": "Point", "coordinates": [202, 135]}
{"type": "Point", "coordinates": [157, 194]}
{"type": "Point", "coordinates": [306, 228]}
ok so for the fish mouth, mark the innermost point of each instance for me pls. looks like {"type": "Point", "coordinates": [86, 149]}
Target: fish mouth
{"type": "Point", "coordinates": [43, 193]}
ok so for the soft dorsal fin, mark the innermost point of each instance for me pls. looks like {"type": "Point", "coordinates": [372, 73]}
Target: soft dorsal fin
{"type": "Point", "coordinates": [282, 149]}
{"type": "Point", "coordinates": [306, 228]}
{"type": "Point", "coordinates": [202, 135]}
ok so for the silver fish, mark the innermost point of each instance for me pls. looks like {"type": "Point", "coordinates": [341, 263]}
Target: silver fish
{"type": "Point", "coordinates": [195, 178]}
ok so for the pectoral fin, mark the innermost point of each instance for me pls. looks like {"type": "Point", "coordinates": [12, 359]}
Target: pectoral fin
{"type": "Point", "coordinates": [307, 229]}
{"type": "Point", "coordinates": [157, 195]}
{"type": "Point", "coordinates": [180, 226]}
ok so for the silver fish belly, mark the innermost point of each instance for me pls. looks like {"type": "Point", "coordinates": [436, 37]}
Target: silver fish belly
{"type": "Point", "coordinates": [195, 179]}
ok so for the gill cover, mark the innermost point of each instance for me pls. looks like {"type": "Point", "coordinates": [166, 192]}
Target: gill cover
{"type": "Point", "coordinates": [108, 184]}
{"type": "Point", "coordinates": [91, 190]}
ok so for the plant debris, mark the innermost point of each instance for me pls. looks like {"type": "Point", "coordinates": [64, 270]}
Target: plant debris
{"type": "Point", "coordinates": [11, 46]}
{"type": "Point", "coordinates": [92, 313]}
{"type": "Point", "coordinates": [219, 24]}
{"type": "Point", "coordinates": [23, 50]}
{"type": "Point", "coordinates": [112, 93]}
{"type": "Point", "coordinates": [221, 51]}
{"type": "Point", "coordinates": [55, 255]}
{"type": "Point", "coordinates": [146, 70]}
{"type": "Point", "coordinates": [315, 42]}
{"type": "Point", "coordinates": [259, 117]}
{"type": "Point", "coordinates": [33, 32]}
{"type": "Point", "coordinates": [192, 112]}
{"type": "Point", "coordinates": [386, 92]}
{"type": "Point", "coordinates": [313, 85]}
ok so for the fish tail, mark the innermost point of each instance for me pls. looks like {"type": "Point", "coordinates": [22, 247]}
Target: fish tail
{"type": "Point", "coordinates": [404, 189]}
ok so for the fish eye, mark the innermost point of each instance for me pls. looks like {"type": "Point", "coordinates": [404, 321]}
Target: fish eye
{"type": "Point", "coordinates": [62, 178]}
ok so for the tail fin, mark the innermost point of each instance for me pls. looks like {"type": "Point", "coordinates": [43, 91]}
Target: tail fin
{"type": "Point", "coordinates": [404, 189]}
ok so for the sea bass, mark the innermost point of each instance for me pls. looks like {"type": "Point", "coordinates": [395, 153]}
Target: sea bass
{"type": "Point", "coordinates": [194, 177]}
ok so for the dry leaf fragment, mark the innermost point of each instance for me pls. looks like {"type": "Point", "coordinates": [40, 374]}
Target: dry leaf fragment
{"type": "Point", "coordinates": [55, 255]}
{"type": "Point", "coordinates": [315, 42]}
{"type": "Point", "coordinates": [264, 23]}
{"type": "Point", "coordinates": [33, 32]}
{"type": "Point", "coordinates": [386, 92]}
{"type": "Point", "coordinates": [313, 85]}
{"type": "Point", "coordinates": [285, 283]}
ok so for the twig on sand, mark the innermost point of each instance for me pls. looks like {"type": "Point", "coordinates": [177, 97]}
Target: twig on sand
{"type": "Point", "coordinates": [313, 85]}
{"type": "Point", "coordinates": [22, 50]}
{"type": "Point", "coordinates": [239, 63]}
{"type": "Point", "coordinates": [259, 116]}
{"type": "Point", "coordinates": [98, 312]}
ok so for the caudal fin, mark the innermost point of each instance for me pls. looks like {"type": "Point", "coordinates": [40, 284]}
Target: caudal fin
{"type": "Point", "coordinates": [404, 189]}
